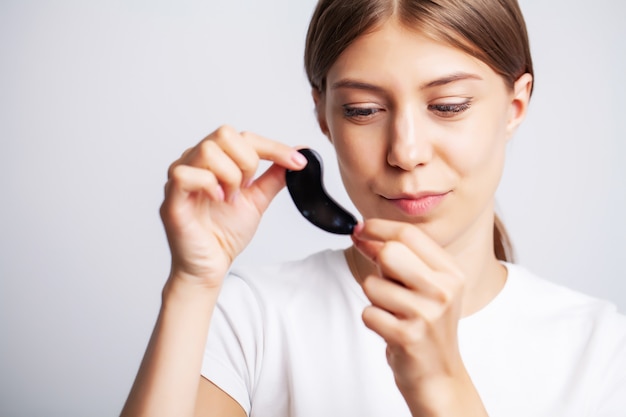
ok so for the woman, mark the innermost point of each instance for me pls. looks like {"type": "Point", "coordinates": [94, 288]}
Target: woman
{"type": "Point", "coordinates": [423, 315]}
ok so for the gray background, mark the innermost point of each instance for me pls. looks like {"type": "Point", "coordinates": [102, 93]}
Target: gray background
{"type": "Point", "coordinates": [97, 98]}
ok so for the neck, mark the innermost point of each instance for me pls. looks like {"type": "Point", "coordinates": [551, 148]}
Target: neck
{"type": "Point", "coordinates": [475, 255]}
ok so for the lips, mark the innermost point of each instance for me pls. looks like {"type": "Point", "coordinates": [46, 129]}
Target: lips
{"type": "Point", "coordinates": [419, 204]}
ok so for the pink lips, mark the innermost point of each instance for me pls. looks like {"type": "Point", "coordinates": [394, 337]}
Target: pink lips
{"type": "Point", "coordinates": [419, 205]}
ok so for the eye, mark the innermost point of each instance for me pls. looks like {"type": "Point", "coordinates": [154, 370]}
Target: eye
{"type": "Point", "coordinates": [359, 113]}
{"type": "Point", "coordinates": [449, 109]}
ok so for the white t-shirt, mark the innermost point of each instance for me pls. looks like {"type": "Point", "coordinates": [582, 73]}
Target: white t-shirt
{"type": "Point", "coordinates": [288, 340]}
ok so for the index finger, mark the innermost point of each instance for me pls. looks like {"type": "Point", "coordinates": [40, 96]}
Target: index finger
{"type": "Point", "coordinates": [247, 148]}
{"type": "Point", "coordinates": [274, 151]}
{"type": "Point", "coordinates": [432, 254]}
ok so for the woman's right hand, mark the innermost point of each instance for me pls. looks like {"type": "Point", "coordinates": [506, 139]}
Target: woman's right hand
{"type": "Point", "coordinates": [213, 204]}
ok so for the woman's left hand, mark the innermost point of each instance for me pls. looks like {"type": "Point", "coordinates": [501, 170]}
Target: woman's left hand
{"type": "Point", "coordinates": [416, 295]}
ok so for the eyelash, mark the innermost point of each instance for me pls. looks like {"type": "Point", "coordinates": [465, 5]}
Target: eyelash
{"type": "Point", "coordinates": [359, 112]}
{"type": "Point", "coordinates": [442, 110]}
{"type": "Point", "coordinates": [449, 110]}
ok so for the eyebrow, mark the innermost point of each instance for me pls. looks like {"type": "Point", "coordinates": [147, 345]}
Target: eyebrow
{"type": "Point", "coordinates": [447, 79]}
{"type": "Point", "coordinates": [357, 85]}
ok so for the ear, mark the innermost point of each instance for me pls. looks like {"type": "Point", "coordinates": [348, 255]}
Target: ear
{"type": "Point", "coordinates": [320, 111]}
{"type": "Point", "coordinates": [519, 103]}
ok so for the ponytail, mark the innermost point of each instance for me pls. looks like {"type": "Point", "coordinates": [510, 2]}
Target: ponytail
{"type": "Point", "coordinates": [501, 242]}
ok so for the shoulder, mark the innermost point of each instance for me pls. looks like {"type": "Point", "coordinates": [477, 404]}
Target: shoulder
{"type": "Point", "coordinates": [558, 310]}
{"type": "Point", "coordinates": [546, 297]}
{"type": "Point", "coordinates": [586, 329]}
{"type": "Point", "coordinates": [551, 314]}
{"type": "Point", "coordinates": [282, 282]}
{"type": "Point", "coordinates": [575, 342]}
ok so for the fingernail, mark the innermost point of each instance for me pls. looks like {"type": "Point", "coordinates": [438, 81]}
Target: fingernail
{"type": "Point", "coordinates": [298, 158]}
{"type": "Point", "coordinates": [219, 191]}
{"type": "Point", "coordinates": [233, 196]}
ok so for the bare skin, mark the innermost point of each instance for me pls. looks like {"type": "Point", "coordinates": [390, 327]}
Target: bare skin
{"type": "Point", "coordinates": [435, 123]}
{"type": "Point", "coordinates": [211, 210]}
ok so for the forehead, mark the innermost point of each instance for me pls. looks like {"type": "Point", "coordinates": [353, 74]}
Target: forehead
{"type": "Point", "coordinates": [393, 52]}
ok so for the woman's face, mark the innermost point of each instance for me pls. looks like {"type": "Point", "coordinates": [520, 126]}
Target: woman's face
{"type": "Point", "coordinates": [420, 130]}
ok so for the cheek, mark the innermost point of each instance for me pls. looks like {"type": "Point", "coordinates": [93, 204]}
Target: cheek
{"type": "Point", "coordinates": [360, 150]}
{"type": "Point", "coordinates": [359, 165]}
{"type": "Point", "coordinates": [478, 147]}
{"type": "Point", "coordinates": [361, 161]}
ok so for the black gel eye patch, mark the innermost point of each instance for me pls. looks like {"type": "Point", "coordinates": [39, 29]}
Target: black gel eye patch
{"type": "Point", "coordinates": [307, 191]}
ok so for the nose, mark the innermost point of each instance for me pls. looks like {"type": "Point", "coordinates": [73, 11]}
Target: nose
{"type": "Point", "coordinates": [409, 146]}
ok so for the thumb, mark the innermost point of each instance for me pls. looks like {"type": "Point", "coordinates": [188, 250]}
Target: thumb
{"type": "Point", "coordinates": [266, 187]}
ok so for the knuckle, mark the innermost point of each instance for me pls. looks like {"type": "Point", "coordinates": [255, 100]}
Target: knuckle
{"type": "Point", "coordinates": [224, 132]}
{"type": "Point", "coordinates": [176, 175]}
{"type": "Point", "coordinates": [206, 148]}
{"type": "Point", "coordinates": [445, 296]}
{"type": "Point", "coordinates": [446, 293]}
{"type": "Point", "coordinates": [178, 162]}
{"type": "Point", "coordinates": [250, 163]}
{"type": "Point", "coordinates": [170, 170]}
{"type": "Point", "coordinates": [457, 282]}
{"type": "Point", "coordinates": [411, 334]}
{"type": "Point", "coordinates": [233, 180]}
{"type": "Point", "coordinates": [386, 253]}
{"type": "Point", "coordinates": [382, 257]}
{"type": "Point", "coordinates": [185, 153]}
{"type": "Point", "coordinates": [366, 314]}
{"type": "Point", "coordinates": [164, 210]}
{"type": "Point", "coordinates": [369, 285]}
{"type": "Point", "coordinates": [405, 233]}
